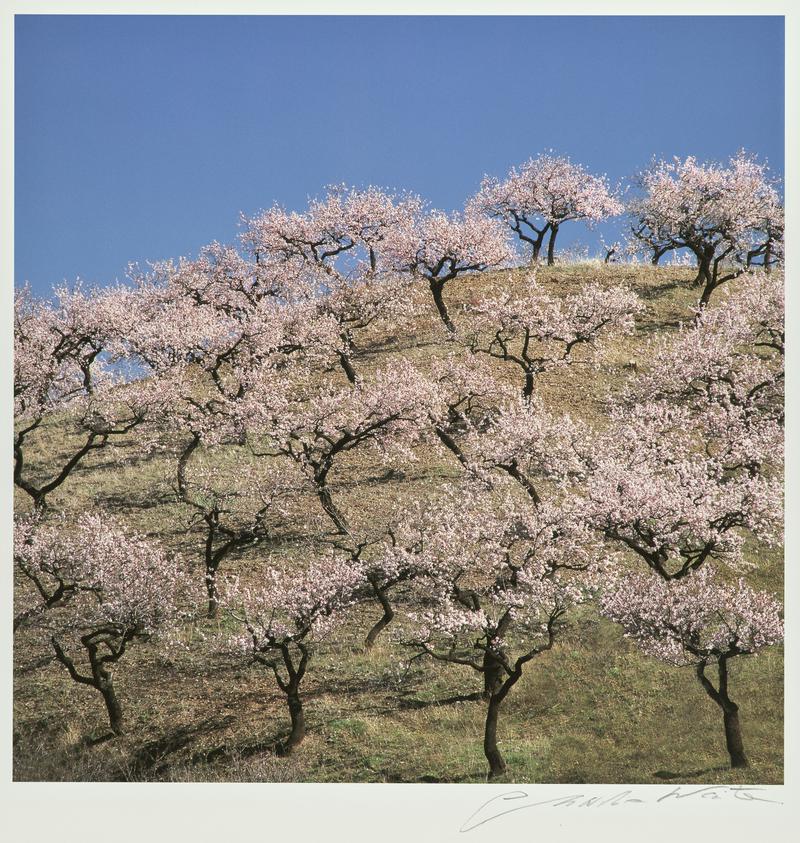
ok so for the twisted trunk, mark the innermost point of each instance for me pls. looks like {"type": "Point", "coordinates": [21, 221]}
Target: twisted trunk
{"type": "Point", "coordinates": [537, 244]}
{"type": "Point", "coordinates": [730, 711]}
{"type": "Point", "coordinates": [384, 620]}
{"type": "Point", "coordinates": [113, 706]}
{"type": "Point", "coordinates": [436, 289]}
{"type": "Point", "coordinates": [324, 496]}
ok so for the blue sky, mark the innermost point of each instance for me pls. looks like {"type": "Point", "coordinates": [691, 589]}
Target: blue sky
{"type": "Point", "coordinates": [143, 138]}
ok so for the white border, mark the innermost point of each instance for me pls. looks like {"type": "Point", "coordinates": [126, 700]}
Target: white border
{"type": "Point", "coordinates": [34, 813]}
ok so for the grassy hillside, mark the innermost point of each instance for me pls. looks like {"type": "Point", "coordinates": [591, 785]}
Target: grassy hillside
{"type": "Point", "coordinates": [593, 709]}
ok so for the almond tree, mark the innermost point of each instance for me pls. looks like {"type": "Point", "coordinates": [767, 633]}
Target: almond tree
{"type": "Point", "coordinates": [674, 506]}
{"type": "Point", "coordinates": [730, 218]}
{"type": "Point", "coordinates": [237, 504]}
{"type": "Point", "coordinates": [538, 332]}
{"type": "Point", "coordinates": [466, 393]}
{"type": "Point", "coordinates": [498, 588]}
{"type": "Point", "coordinates": [440, 247]}
{"type": "Point", "coordinates": [700, 621]}
{"type": "Point", "coordinates": [96, 589]}
{"type": "Point", "coordinates": [337, 254]}
{"type": "Point", "coordinates": [284, 614]}
{"type": "Point", "coordinates": [531, 445]}
{"type": "Point", "coordinates": [726, 369]}
{"type": "Point", "coordinates": [313, 423]}
{"type": "Point", "coordinates": [61, 365]}
{"type": "Point", "coordinates": [343, 233]}
{"type": "Point", "coordinates": [541, 195]}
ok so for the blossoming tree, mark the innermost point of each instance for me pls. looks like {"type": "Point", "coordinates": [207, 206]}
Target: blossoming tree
{"type": "Point", "coordinates": [440, 247]}
{"type": "Point", "coordinates": [61, 366]}
{"type": "Point", "coordinates": [284, 613]}
{"type": "Point", "coordinates": [95, 588]}
{"type": "Point", "coordinates": [702, 621]}
{"type": "Point", "coordinates": [538, 332]}
{"type": "Point", "coordinates": [500, 578]}
{"type": "Point", "coordinates": [726, 370]}
{"type": "Point", "coordinates": [651, 490]}
{"type": "Point", "coordinates": [313, 424]}
{"type": "Point", "coordinates": [543, 194]}
{"type": "Point", "coordinates": [730, 218]}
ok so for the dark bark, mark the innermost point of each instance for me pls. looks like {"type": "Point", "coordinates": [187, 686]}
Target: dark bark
{"type": "Point", "coordinates": [100, 678]}
{"type": "Point", "coordinates": [730, 711]}
{"type": "Point", "coordinates": [537, 244]}
{"type": "Point", "coordinates": [436, 289]}
{"type": "Point", "coordinates": [492, 675]}
{"type": "Point", "coordinates": [211, 590]}
{"type": "Point", "coordinates": [113, 706]}
{"type": "Point", "coordinates": [298, 721]}
{"type": "Point", "coordinates": [95, 440]}
{"type": "Point", "coordinates": [551, 245]}
{"type": "Point", "coordinates": [707, 291]}
{"type": "Point", "coordinates": [384, 620]}
{"type": "Point", "coordinates": [347, 366]}
{"type": "Point", "coordinates": [291, 687]}
{"type": "Point", "coordinates": [658, 254]}
{"type": "Point", "coordinates": [527, 390]}
{"type": "Point", "coordinates": [183, 462]}
{"type": "Point", "coordinates": [512, 469]}
{"type": "Point", "coordinates": [705, 260]}
{"type": "Point", "coordinates": [333, 511]}
{"type": "Point", "coordinates": [497, 764]}
{"type": "Point", "coordinates": [447, 440]}
{"type": "Point", "coordinates": [733, 738]}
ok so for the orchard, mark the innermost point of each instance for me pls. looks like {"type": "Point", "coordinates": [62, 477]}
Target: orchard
{"type": "Point", "coordinates": [384, 493]}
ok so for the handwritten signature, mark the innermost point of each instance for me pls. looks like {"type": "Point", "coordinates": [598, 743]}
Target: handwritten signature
{"type": "Point", "coordinates": [520, 800]}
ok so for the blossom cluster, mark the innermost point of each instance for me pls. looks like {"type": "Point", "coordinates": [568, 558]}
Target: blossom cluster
{"type": "Point", "coordinates": [696, 619]}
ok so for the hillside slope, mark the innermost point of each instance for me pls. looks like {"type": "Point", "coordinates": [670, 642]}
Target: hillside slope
{"type": "Point", "coordinates": [593, 709]}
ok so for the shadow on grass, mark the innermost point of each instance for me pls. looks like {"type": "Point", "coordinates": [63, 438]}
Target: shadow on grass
{"type": "Point", "coordinates": [656, 291]}
{"type": "Point", "coordinates": [149, 757]}
{"type": "Point", "coordinates": [416, 704]}
{"type": "Point", "coordinates": [668, 775]}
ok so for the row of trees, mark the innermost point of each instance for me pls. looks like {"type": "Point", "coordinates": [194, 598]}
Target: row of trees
{"type": "Point", "coordinates": [254, 372]}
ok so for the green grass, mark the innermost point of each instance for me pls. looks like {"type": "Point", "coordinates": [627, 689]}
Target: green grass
{"type": "Point", "coordinates": [591, 710]}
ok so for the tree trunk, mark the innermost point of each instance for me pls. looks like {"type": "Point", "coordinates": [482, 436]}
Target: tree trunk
{"type": "Point", "coordinates": [703, 269]}
{"type": "Point", "coordinates": [334, 513]}
{"type": "Point", "coordinates": [492, 676]}
{"type": "Point", "coordinates": [733, 736]}
{"type": "Point", "coordinates": [537, 246]}
{"type": "Point", "coordinates": [298, 720]}
{"type": "Point", "coordinates": [213, 595]}
{"type": "Point", "coordinates": [183, 462]}
{"type": "Point", "coordinates": [384, 621]}
{"type": "Point", "coordinates": [447, 440]}
{"type": "Point", "coordinates": [436, 289]}
{"type": "Point", "coordinates": [497, 766]}
{"type": "Point", "coordinates": [344, 360]}
{"type": "Point", "coordinates": [730, 711]}
{"type": "Point", "coordinates": [527, 390]}
{"type": "Point", "coordinates": [767, 256]}
{"type": "Point", "coordinates": [707, 291]}
{"type": "Point", "coordinates": [512, 469]}
{"type": "Point", "coordinates": [551, 246]}
{"type": "Point", "coordinates": [113, 707]}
